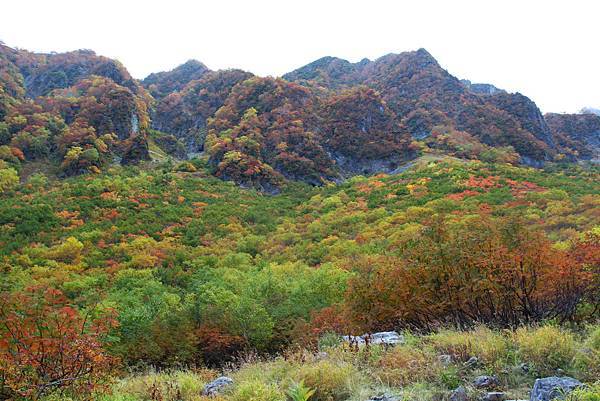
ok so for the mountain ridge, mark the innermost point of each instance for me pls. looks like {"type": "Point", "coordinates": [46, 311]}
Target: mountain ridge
{"type": "Point", "coordinates": [321, 122]}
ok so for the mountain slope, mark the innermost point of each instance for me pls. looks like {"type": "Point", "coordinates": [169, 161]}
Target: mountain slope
{"type": "Point", "coordinates": [423, 95]}
{"type": "Point", "coordinates": [579, 133]}
{"type": "Point", "coordinates": [161, 84]}
{"type": "Point", "coordinates": [76, 111]}
{"type": "Point", "coordinates": [323, 122]}
{"type": "Point", "coordinates": [184, 113]}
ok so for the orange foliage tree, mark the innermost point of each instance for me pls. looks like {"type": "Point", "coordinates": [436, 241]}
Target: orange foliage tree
{"type": "Point", "coordinates": [46, 346]}
{"type": "Point", "coordinates": [482, 270]}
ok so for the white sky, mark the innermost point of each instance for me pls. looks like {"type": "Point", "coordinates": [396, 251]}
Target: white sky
{"type": "Point", "coordinates": [548, 50]}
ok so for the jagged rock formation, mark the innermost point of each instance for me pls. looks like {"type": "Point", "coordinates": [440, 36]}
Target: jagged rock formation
{"type": "Point", "coordinates": [324, 121]}
{"type": "Point", "coordinates": [184, 113]}
{"type": "Point", "coordinates": [72, 108]}
{"type": "Point", "coordinates": [423, 95]}
{"type": "Point", "coordinates": [482, 89]}
{"type": "Point", "coordinates": [577, 133]}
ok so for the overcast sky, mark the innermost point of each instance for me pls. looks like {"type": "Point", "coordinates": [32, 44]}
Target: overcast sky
{"type": "Point", "coordinates": [548, 50]}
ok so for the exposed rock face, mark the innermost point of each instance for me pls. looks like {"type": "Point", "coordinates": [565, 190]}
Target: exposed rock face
{"type": "Point", "coordinates": [580, 132]}
{"type": "Point", "coordinates": [361, 132]}
{"type": "Point", "coordinates": [382, 338]}
{"type": "Point", "coordinates": [550, 388]}
{"type": "Point", "coordinates": [184, 113]}
{"type": "Point", "coordinates": [136, 151]}
{"type": "Point", "coordinates": [161, 84]}
{"type": "Point", "coordinates": [482, 89]}
{"type": "Point", "coordinates": [526, 113]}
{"type": "Point", "coordinates": [105, 105]}
{"type": "Point", "coordinates": [171, 145]}
{"type": "Point", "coordinates": [217, 386]}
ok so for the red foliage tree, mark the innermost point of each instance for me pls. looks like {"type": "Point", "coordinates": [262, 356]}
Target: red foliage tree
{"type": "Point", "coordinates": [46, 346]}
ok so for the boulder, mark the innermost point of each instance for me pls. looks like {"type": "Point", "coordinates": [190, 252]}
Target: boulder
{"type": "Point", "coordinates": [550, 388]}
{"type": "Point", "coordinates": [217, 386]}
{"type": "Point", "coordinates": [486, 381]}
{"type": "Point", "coordinates": [383, 338]}
{"type": "Point", "coordinates": [459, 394]}
{"type": "Point", "coordinates": [494, 396]}
{"type": "Point", "coordinates": [445, 360]}
{"type": "Point", "coordinates": [472, 362]}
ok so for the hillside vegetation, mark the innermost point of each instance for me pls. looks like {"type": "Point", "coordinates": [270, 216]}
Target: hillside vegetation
{"type": "Point", "coordinates": [155, 234]}
{"type": "Point", "coordinates": [79, 112]}
{"type": "Point", "coordinates": [174, 267]}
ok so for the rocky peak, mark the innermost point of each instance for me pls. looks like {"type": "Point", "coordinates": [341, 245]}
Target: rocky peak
{"type": "Point", "coordinates": [161, 84]}
{"type": "Point", "coordinates": [328, 71]}
{"type": "Point", "coordinates": [590, 110]}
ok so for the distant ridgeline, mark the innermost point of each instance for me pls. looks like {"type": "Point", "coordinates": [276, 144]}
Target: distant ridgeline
{"type": "Point", "coordinates": [77, 112]}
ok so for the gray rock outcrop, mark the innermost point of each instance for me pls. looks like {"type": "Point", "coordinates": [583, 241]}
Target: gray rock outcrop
{"type": "Point", "coordinates": [381, 338]}
{"type": "Point", "coordinates": [486, 381]}
{"type": "Point", "coordinates": [217, 386]}
{"type": "Point", "coordinates": [550, 388]}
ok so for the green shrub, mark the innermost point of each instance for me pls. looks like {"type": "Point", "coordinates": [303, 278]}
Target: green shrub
{"type": "Point", "coordinates": [9, 179]}
{"type": "Point", "coordinates": [449, 377]}
{"type": "Point", "coordinates": [256, 390]}
{"type": "Point", "coordinates": [492, 348]}
{"type": "Point", "coordinates": [587, 358]}
{"type": "Point", "coordinates": [546, 348]}
{"type": "Point", "coordinates": [589, 393]}
{"type": "Point", "coordinates": [299, 392]}
{"type": "Point", "coordinates": [329, 340]}
{"type": "Point", "coordinates": [331, 381]}
{"type": "Point", "coordinates": [180, 385]}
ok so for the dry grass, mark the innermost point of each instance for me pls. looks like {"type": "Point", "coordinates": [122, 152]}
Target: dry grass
{"type": "Point", "coordinates": [411, 371]}
{"type": "Point", "coordinates": [545, 348]}
{"type": "Point", "coordinates": [490, 347]}
{"type": "Point", "coordinates": [405, 365]}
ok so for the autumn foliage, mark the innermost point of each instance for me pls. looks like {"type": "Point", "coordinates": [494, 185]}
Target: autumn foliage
{"type": "Point", "coordinates": [484, 270]}
{"type": "Point", "coordinates": [46, 346]}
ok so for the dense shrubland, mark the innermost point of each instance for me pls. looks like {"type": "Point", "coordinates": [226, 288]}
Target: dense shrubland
{"type": "Point", "coordinates": [183, 269]}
